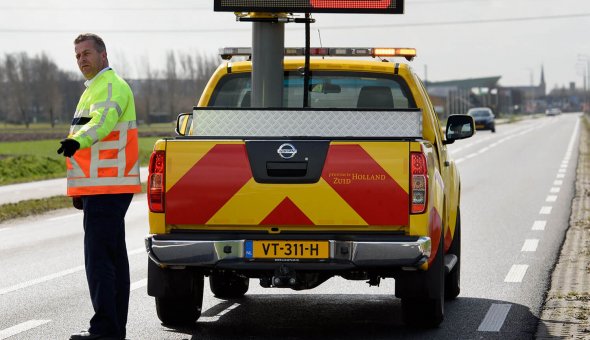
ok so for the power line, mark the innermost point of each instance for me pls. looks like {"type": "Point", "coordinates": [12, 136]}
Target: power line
{"type": "Point", "coordinates": [234, 30]}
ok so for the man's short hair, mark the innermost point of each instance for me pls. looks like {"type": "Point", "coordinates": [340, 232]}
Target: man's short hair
{"type": "Point", "coordinates": [98, 42]}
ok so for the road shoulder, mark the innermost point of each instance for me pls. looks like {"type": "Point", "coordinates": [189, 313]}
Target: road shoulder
{"type": "Point", "coordinates": [566, 311]}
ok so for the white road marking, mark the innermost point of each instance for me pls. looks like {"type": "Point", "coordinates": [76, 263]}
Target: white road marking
{"type": "Point", "coordinates": [516, 273]}
{"type": "Point", "coordinates": [494, 318]}
{"type": "Point", "coordinates": [65, 217]}
{"type": "Point", "coordinates": [52, 276]}
{"type": "Point", "coordinates": [554, 190]}
{"type": "Point", "coordinates": [530, 245]}
{"type": "Point", "coordinates": [563, 166]}
{"type": "Point", "coordinates": [21, 327]}
{"type": "Point", "coordinates": [562, 171]}
{"type": "Point", "coordinates": [545, 210]}
{"type": "Point", "coordinates": [570, 146]}
{"type": "Point", "coordinates": [551, 198]}
{"type": "Point", "coordinates": [558, 182]}
{"type": "Point", "coordinates": [539, 225]}
{"type": "Point", "coordinates": [137, 251]}
{"type": "Point", "coordinates": [220, 314]}
{"type": "Point", "coordinates": [40, 280]}
{"type": "Point", "coordinates": [138, 284]}
{"type": "Point", "coordinates": [493, 145]}
{"type": "Point", "coordinates": [483, 150]}
{"type": "Point", "coordinates": [4, 229]}
{"type": "Point", "coordinates": [560, 175]}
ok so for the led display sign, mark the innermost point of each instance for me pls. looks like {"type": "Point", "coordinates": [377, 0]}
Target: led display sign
{"type": "Point", "coordinates": [311, 6]}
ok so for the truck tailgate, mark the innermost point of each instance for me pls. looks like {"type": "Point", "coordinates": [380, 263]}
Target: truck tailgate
{"type": "Point", "coordinates": [321, 183]}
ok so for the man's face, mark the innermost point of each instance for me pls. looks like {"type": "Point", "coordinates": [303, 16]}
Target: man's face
{"type": "Point", "coordinates": [90, 61]}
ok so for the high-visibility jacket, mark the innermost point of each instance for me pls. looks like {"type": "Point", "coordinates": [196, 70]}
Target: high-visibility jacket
{"type": "Point", "coordinates": [105, 126]}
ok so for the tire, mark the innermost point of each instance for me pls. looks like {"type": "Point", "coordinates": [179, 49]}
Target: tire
{"type": "Point", "coordinates": [493, 129]}
{"type": "Point", "coordinates": [428, 311]}
{"type": "Point", "coordinates": [183, 309]}
{"type": "Point", "coordinates": [228, 286]}
{"type": "Point", "coordinates": [453, 279]}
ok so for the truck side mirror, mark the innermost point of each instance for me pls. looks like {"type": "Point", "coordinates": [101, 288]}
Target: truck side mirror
{"type": "Point", "coordinates": [183, 123]}
{"type": "Point", "coordinates": [459, 127]}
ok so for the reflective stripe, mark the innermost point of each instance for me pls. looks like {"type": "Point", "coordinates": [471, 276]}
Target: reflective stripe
{"type": "Point", "coordinates": [82, 113]}
{"type": "Point", "coordinates": [93, 131]}
{"type": "Point", "coordinates": [134, 169]}
{"type": "Point", "coordinates": [107, 105]}
{"type": "Point", "coordinates": [76, 170]}
{"type": "Point", "coordinates": [104, 181]}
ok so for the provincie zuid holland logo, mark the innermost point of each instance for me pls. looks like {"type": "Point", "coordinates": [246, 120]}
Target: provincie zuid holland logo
{"type": "Point", "coordinates": [287, 151]}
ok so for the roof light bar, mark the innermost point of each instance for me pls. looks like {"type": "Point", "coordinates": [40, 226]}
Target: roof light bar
{"type": "Point", "coordinates": [408, 53]}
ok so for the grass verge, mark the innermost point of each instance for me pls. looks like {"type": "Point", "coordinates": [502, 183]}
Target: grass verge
{"type": "Point", "coordinates": [33, 207]}
{"type": "Point", "coordinates": [38, 206]}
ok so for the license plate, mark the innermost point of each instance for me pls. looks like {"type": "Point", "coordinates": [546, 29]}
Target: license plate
{"type": "Point", "coordinates": [479, 126]}
{"type": "Point", "coordinates": [265, 249]}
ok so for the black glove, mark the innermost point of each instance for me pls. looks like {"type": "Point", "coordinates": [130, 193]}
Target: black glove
{"type": "Point", "coordinates": [77, 202]}
{"type": "Point", "coordinates": [68, 147]}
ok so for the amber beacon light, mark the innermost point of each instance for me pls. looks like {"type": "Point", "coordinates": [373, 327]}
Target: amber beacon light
{"type": "Point", "coordinates": [311, 6]}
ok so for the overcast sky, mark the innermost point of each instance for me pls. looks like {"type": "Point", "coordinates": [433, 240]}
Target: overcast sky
{"type": "Point", "coordinates": [455, 39]}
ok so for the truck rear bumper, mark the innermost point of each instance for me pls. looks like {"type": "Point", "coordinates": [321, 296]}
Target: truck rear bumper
{"type": "Point", "coordinates": [231, 253]}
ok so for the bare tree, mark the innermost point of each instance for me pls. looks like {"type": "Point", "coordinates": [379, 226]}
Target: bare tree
{"type": "Point", "coordinates": [171, 77]}
{"type": "Point", "coordinates": [47, 75]}
{"type": "Point", "coordinates": [19, 78]}
{"type": "Point", "coordinates": [146, 96]}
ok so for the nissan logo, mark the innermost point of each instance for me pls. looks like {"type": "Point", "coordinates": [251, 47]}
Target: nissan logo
{"type": "Point", "coordinates": [287, 151]}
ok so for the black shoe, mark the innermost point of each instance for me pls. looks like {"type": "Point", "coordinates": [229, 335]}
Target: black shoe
{"type": "Point", "coordinates": [85, 335]}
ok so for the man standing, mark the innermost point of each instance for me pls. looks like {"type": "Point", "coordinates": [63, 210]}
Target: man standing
{"type": "Point", "coordinates": [103, 175]}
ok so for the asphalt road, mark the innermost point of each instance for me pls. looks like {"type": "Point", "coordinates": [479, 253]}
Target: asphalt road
{"type": "Point", "coordinates": [517, 186]}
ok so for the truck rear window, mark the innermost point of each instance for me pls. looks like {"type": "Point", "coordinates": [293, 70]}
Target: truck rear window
{"type": "Point", "coordinates": [343, 90]}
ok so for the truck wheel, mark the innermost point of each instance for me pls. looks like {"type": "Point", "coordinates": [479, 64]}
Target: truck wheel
{"type": "Point", "coordinates": [453, 279]}
{"type": "Point", "coordinates": [184, 308]}
{"type": "Point", "coordinates": [428, 311]}
{"type": "Point", "coordinates": [228, 286]}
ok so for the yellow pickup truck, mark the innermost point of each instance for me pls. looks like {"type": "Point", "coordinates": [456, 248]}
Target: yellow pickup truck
{"type": "Point", "coordinates": [357, 184]}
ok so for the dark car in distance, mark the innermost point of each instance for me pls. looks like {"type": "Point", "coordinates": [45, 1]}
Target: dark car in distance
{"type": "Point", "coordinates": [483, 117]}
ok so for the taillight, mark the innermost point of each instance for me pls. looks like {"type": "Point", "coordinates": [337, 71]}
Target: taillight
{"type": "Point", "coordinates": [418, 182]}
{"type": "Point", "coordinates": [155, 184]}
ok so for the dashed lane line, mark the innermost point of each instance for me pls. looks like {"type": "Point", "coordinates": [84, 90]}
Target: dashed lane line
{"type": "Point", "coordinates": [220, 314]}
{"type": "Point", "coordinates": [21, 327]}
{"type": "Point", "coordinates": [494, 318]}
{"type": "Point", "coordinates": [555, 190]}
{"type": "Point", "coordinates": [5, 229]}
{"type": "Point", "coordinates": [558, 182]}
{"type": "Point", "coordinates": [530, 245]}
{"type": "Point", "coordinates": [551, 198]}
{"type": "Point", "coordinates": [516, 273]}
{"type": "Point", "coordinates": [138, 284]}
{"type": "Point", "coordinates": [484, 149]}
{"type": "Point", "coordinates": [539, 225]}
{"type": "Point", "coordinates": [545, 210]}
{"type": "Point", "coordinates": [560, 175]}
{"type": "Point", "coordinates": [53, 276]}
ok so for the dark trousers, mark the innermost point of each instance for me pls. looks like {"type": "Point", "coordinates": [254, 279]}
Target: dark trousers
{"type": "Point", "coordinates": [105, 258]}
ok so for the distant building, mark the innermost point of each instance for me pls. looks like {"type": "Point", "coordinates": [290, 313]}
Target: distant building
{"type": "Point", "coordinates": [458, 96]}
{"type": "Point", "coordinates": [568, 99]}
{"type": "Point", "coordinates": [525, 99]}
